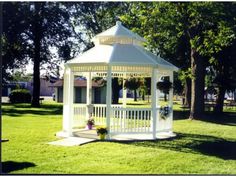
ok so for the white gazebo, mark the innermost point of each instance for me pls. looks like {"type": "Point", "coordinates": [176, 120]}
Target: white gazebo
{"type": "Point", "coordinates": [118, 52]}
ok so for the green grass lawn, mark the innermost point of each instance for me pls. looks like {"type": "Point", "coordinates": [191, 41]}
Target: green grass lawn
{"type": "Point", "coordinates": [202, 146]}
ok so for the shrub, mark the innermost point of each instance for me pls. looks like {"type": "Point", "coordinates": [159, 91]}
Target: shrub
{"type": "Point", "coordinates": [20, 96]}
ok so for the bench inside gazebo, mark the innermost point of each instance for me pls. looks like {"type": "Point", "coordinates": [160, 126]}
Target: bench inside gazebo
{"type": "Point", "coordinates": [118, 53]}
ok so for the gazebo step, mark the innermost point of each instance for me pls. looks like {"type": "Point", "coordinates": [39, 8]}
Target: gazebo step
{"type": "Point", "coordinates": [86, 134]}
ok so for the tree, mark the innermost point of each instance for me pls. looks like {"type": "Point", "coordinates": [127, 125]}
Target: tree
{"type": "Point", "coordinates": [116, 87]}
{"type": "Point", "coordinates": [165, 34]}
{"type": "Point", "coordinates": [199, 26]}
{"type": "Point", "coordinates": [223, 60]}
{"type": "Point", "coordinates": [21, 76]}
{"type": "Point", "coordinates": [226, 74]}
{"type": "Point", "coordinates": [36, 27]}
{"type": "Point", "coordinates": [14, 49]}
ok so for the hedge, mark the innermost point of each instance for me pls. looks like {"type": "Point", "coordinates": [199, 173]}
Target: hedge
{"type": "Point", "coordinates": [20, 96]}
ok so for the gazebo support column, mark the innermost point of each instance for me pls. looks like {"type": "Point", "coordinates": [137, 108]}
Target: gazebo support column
{"type": "Point", "coordinates": [89, 95]}
{"type": "Point", "coordinates": [154, 101]}
{"type": "Point", "coordinates": [171, 99]}
{"type": "Point", "coordinates": [68, 92]}
{"type": "Point", "coordinates": [108, 101]}
{"type": "Point", "coordinates": [158, 103]}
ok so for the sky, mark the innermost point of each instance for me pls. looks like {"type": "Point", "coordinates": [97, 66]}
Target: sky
{"type": "Point", "coordinates": [29, 69]}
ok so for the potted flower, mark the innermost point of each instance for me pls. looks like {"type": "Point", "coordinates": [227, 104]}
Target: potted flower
{"type": "Point", "coordinates": [90, 123]}
{"type": "Point", "coordinates": [102, 131]}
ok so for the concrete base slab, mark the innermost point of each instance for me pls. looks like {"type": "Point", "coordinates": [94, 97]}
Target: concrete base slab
{"type": "Point", "coordinates": [91, 134]}
{"type": "Point", "coordinates": [142, 137]}
{"type": "Point", "coordinates": [72, 141]}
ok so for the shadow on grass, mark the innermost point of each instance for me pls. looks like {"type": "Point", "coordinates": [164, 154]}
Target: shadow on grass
{"type": "Point", "coordinates": [196, 144]}
{"type": "Point", "coordinates": [10, 166]}
{"type": "Point", "coordinates": [181, 114]}
{"type": "Point", "coordinates": [226, 118]}
{"type": "Point", "coordinates": [45, 109]}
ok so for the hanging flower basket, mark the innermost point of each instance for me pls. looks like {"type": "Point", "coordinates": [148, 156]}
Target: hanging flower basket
{"type": "Point", "coordinates": [164, 86]}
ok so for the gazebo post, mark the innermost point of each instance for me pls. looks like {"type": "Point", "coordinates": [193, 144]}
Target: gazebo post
{"type": "Point", "coordinates": [88, 94]}
{"type": "Point", "coordinates": [68, 92]}
{"type": "Point", "coordinates": [108, 100]}
{"type": "Point", "coordinates": [171, 98]}
{"type": "Point", "coordinates": [154, 101]}
{"type": "Point", "coordinates": [65, 100]}
{"type": "Point", "coordinates": [158, 102]}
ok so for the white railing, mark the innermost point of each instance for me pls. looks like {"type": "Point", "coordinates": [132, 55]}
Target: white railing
{"type": "Point", "coordinates": [130, 120]}
{"type": "Point", "coordinates": [99, 113]}
{"type": "Point", "coordinates": [122, 120]}
{"type": "Point", "coordinates": [79, 118]}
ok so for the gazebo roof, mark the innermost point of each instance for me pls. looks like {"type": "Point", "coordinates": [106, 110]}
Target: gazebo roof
{"type": "Point", "coordinates": [120, 53]}
{"type": "Point", "coordinates": [119, 31]}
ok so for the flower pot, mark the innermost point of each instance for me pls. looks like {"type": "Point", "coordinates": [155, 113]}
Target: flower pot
{"type": "Point", "coordinates": [90, 126]}
{"type": "Point", "coordinates": [102, 136]}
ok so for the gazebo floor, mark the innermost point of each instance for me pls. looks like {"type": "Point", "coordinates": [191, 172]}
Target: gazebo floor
{"type": "Point", "coordinates": [92, 134]}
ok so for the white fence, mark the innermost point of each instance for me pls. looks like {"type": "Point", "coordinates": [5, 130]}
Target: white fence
{"type": "Point", "coordinates": [122, 120]}
{"type": "Point", "coordinates": [130, 120]}
{"type": "Point", "coordinates": [79, 119]}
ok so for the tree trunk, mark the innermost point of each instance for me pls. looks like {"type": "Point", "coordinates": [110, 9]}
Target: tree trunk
{"type": "Point", "coordinates": [198, 83]}
{"type": "Point", "coordinates": [165, 97]}
{"type": "Point", "coordinates": [135, 95]}
{"type": "Point", "coordinates": [234, 95]}
{"type": "Point", "coordinates": [143, 96]}
{"type": "Point", "coordinates": [36, 60]}
{"type": "Point", "coordinates": [220, 100]}
{"type": "Point", "coordinates": [187, 93]}
{"type": "Point", "coordinates": [36, 83]}
{"type": "Point", "coordinates": [115, 90]}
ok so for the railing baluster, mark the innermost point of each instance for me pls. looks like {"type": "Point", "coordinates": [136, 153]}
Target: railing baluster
{"type": "Point", "coordinates": [141, 120]}
{"type": "Point", "coordinates": [135, 116]}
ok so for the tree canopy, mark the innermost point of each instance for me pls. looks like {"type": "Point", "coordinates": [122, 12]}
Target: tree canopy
{"type": "Point", "coordinates": [190, 35]}
{"type": "Point", "coordinates": [198, 37]}
{"type": "Point", "coordinates": [30, 30]}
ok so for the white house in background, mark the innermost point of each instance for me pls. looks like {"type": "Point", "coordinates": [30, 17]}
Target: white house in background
{"type": "Point", "coordinates": [98, 91]}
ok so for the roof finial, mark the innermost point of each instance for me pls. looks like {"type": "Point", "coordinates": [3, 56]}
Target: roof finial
{"type": "Point", "coordinates": [118, 23]}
